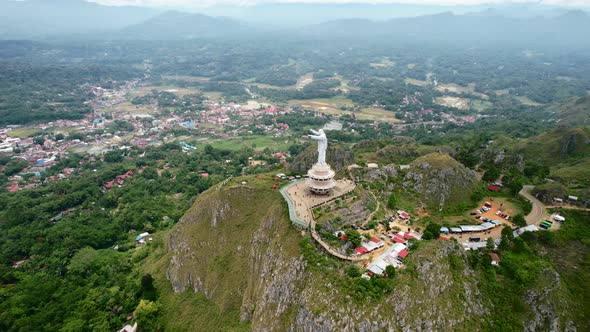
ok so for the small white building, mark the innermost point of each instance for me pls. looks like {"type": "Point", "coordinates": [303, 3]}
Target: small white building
{"type": "Point", "coordinates": [129, 328]}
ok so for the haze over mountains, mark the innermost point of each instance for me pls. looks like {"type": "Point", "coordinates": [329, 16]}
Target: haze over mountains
{"type": "Point", "coordinates": [40, 19]}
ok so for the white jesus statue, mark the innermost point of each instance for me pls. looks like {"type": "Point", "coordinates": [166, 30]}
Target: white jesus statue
{"type": "Point", "coordinates": [320, 136]}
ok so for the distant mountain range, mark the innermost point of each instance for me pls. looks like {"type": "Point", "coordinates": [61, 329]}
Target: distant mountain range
{"type": "Point", "coordinates": [38, 19]}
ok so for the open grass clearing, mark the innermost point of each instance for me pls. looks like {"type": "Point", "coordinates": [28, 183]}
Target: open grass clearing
{"type": "Point", "coordinates": [304, 80]}
{"type": "Point", "coordinates": [454, 88]}
{"type": "Point", "coordinates": [24, 132]}
{"type": "Point", "coordinates": [480, 105]}
{"type": "Point", "coordinates": [456, 102]}
{"type": "Point", "coordinates": [325, 105]}
{"type": "Point", "coordinates": [526, 101]}
{"type": "Point", "coordinates": [384, 63]}
{"type": "Point", "coordinates": [416, 82]}
{"type": "Point", "coordinates": [186, 78]}
{"type": "Point", "coordinates": [344, 84]}
{"type": "Point", "coordinates": [376, 114]}
{"type": "Point", "coordinates": [144, 90]}
{"type": "Point", "coordinates": [257, 142]}
{"type": "Point", "coordinates": [129, 108]}
{"type": "Point", "coordinates": [333, 107]}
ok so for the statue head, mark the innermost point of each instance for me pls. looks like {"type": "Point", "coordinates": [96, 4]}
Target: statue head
{"type": "Point", "coordinates": [321, 131]}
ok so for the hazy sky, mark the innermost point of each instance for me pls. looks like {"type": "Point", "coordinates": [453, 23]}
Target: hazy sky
{"type": "Point", "coordinates": [200, 3]}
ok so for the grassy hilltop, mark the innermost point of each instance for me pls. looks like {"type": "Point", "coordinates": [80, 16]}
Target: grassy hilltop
{"type": "Point", "coordinates": [238, 264]}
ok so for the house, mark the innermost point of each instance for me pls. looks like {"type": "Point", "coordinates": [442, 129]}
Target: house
{"type": "Point", "coordinates": [129, 328]}
{"type": "Point", "coordinates": [495, 259]}
{"type": "Point", "coordinates": [403, 214]}
{"type": "Point", "coordinates": [361, 250]}
{"type": "Point", "coordinates": [109, 184]}
{"type": "Point", "coordinates": [492, 187]}
{"type": "Point", "coordinates": [403, 254]}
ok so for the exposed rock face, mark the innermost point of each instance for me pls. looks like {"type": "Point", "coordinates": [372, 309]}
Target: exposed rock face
{"type": "Point", "coordinates": [440, 179]}
{"type": "Point", "coordinates": [337, 156]}
{"type": "Point", "coordinates": [374, 174]}
{"type": "Point", "coordinates": [246, 257]}
{"type": "Point", "coordinates": [545, 314]}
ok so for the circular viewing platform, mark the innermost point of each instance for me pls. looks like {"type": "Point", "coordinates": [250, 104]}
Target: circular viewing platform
{"type": "Point", "coordinates": [320, 179]}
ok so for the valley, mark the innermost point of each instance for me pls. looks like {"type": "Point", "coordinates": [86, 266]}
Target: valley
{"type": "Point", "coordinates": [294, 167]}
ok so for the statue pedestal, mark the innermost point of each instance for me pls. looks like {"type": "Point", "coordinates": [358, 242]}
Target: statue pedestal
{"type": "Point", "coordinates": [320, 179]}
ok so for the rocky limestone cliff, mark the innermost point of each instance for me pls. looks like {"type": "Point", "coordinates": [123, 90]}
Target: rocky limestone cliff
{"type": "Point", "coordinates": [245, 256]}
{"type": "Point", "coordinates": [440, 180]}
{"type": "Point", "coordinates": [237, 247]}
{"type": "Point", "coordinates": [337, 156]}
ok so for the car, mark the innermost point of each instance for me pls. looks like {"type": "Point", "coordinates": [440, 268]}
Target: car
{"type": "Point", "coordinates": [355, 227]}
{"type": "Point", "coordinates": [498, 212]}
{"type": "Point", "coordinates": [507, 217]}
{"type": "Point", "coordinates": [473, 213]}
{"type": "Point", "coordinates": [365, 228]}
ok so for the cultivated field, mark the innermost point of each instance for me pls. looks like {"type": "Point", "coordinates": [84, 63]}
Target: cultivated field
{"type": "Point", "coordinates": [384, 63]}
{"type": "Point", "coordinates": [256, 142]}
{"type": "Point", "coordinates": [333, 106]}
{"type": "Point", "coordinates": [456, 102]}
{"type": "Point", "coordinates": [526, 101]}
{"type": "Point", "coordinates": [24, 132]}
{"type": "Point", "coordinates": [417, 82]}
{"type": "Point", "coordinates": [454, 88]}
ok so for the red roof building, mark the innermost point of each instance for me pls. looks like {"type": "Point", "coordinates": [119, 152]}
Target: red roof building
{"type": "Point", "coordinates": [398, 239]}
{"type": "Point", "coordinates": [492, 187]}
{"type": "Point", "coordinates": [360, 250]}
{"type": "Point", "coordinates": [403, 254]}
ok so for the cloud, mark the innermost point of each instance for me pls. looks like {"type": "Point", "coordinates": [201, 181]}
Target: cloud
{"type": "Point", "coordinates": [207, 3]}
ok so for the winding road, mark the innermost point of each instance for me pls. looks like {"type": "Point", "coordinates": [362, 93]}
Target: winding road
{"type": "Point", "coordinates": [538, 211]}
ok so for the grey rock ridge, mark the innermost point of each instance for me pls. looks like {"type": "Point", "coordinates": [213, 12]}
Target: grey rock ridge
{"type": "Point", "coordinates": [247, 257]}
{"type": "Point", "coordinates": [263, 275]}
{"type": "Point", "coordinates": [440, 180]}
{"type": "Point", "coordinates": [336, 156]}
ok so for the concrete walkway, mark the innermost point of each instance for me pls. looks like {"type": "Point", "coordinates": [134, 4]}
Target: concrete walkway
{"type": "Point", "coordinates": [301, 203]}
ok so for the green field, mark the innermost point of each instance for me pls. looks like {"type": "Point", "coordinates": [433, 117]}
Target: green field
{"type": "Point", "coordinates": [257, 142]}
{"type": "Point", "coordinates": [24, 132]}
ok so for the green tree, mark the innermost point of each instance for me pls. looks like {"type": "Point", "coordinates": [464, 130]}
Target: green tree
{"type": "Point", "coordinates": [432, 231]}
{"type": "Point", "coordinates": [491, 174]}
{"type": "Point", "coordinates": [113, 157]}
{"type": "Point", "coordinates": [507, 238]}
{"type": "Point", "coordinates": [146, 315]}
{"type": "Point", "coordinates": [490, 244]}
{"type": "Point", "coordinates": [354, 237]}
{"type": "Point", "coordinates": [519, 220]}
{"type": "Point", "coordinates": [390, 271]}
{"type": "Point", "coordinates": [353, 271]}
{"type": "Point", "coordinates": [392, 201]}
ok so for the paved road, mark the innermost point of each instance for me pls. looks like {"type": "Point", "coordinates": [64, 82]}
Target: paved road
{"type": "Point", "coordinates": [538, 210]}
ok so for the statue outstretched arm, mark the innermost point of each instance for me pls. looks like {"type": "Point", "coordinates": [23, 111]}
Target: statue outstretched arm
{"type": "Point", "coordinates": [317, 138]}
{"type": "Point", "coordinates": [315, 132]}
